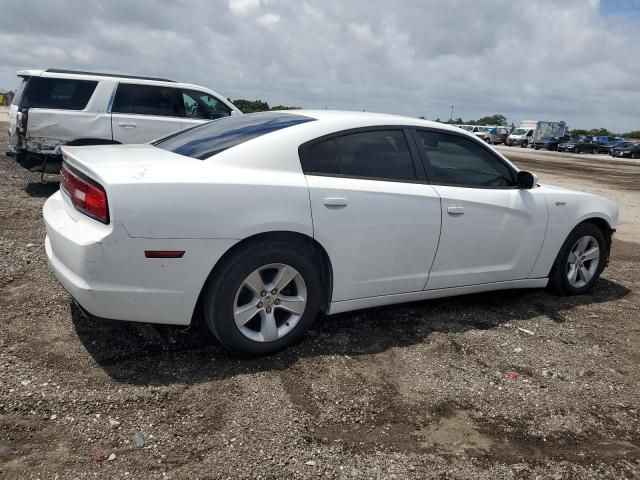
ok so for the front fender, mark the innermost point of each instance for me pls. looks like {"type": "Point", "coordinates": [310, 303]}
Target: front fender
{"type": "Point", "coordinates": [567, 209]}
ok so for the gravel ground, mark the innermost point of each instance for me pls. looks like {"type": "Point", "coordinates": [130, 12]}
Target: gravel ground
{"type": "Point", "coordinates": [422, 390]}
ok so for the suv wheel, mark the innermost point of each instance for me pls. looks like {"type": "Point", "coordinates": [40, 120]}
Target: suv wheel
{"type": "Point", "coordinates": [263, 299]}
{"type": "Point", "coordinates": [580, 261]}
{"type": "Point", "coordinates": [524, 144]}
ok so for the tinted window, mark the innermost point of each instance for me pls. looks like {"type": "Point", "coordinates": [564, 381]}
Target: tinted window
{"type": "Point", "coordinates": [211, 138]}
{"type": "Point", "coordinates": [455, 160]}
{"type": "Point", "coordinates": [202, 105]}
{"type": "Point", "coordinates": [56, 93]}
{"type": "Point", "coordinates": [146, 100]}
{"type": "Point", "coordinates": [382, 154]}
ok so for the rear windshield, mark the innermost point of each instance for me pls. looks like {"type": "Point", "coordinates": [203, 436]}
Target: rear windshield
{"type": "Point", "coordinates": [57, 93]}
{"type": "Point", "coordinates": [204, 141]}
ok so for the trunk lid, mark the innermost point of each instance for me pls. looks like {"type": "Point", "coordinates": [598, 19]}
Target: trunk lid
{"type": "Point", "coordinates": [124, 164]}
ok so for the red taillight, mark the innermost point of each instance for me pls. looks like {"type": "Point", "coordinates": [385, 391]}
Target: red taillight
{"type": "Point", "coordinates": [86, 195]}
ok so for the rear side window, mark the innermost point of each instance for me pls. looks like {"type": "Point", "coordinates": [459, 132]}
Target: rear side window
{"type": "Point", "coordinates": [146, 100]}
{"type": "Point", "coordinates": [459, 161]}
{"type": "Point", "coordinates": [196, 104]}
{"type": "Point", "coordinates": [378, 154]}
{"type": "Point", "coordinates": [18, 94]}
{"type": "Point", "coordinates": [56, 93]}
{"type": "Point", "coordinates": [206, 140]}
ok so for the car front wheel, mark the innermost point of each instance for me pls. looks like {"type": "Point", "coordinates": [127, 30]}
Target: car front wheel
{"type": "Point", "coordinates": [580, 261]}
{"type": "Point", "coordinates": [263, 299]}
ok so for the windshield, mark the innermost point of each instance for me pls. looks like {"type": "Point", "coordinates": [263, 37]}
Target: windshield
{"type": "Point", "coordinates": [484, 129]}
{"type": "Point", "coordinates": [204, 141]}
{"type": "Point", "coordinates": [468, 128]}
{"type": "Point", "coordinates": [519, 131]}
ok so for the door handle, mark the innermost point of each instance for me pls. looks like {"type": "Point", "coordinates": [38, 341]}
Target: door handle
{"type": "Point", "coordinates": [456, 210]}
{"type": "Point", "coordinates": [127, 125]}
{"type": "Point", "coordinates": [335, 202]}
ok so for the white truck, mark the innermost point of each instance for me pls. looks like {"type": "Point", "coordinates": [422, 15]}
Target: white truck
{"type": "Point", "coordinates": [536, 132]}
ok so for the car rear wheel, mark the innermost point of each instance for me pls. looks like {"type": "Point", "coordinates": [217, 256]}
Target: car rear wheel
{"type": "Point", "coordinates": [263, 299]}
{"type": "Point", "coordinates": [580, 261]}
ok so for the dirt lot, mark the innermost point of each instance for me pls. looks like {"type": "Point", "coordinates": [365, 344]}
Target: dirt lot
{"type": "Point", "coordinates": [410, 391]}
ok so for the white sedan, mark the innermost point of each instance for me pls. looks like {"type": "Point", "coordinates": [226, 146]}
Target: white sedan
{"type": "Point", "coordinates": [261, 221]}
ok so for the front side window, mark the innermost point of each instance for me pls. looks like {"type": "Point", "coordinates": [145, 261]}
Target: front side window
{"type": "Point", "coordinates": [203, 105]}
{"type": "Point", "coordinates": [56, 93]}
{"type": "Point", "coordinates": [211, 138]}
{"type": "Point", "coordinates": [145, 100]}
{"type": "Point", "coordinates": [378, 154]}
{"type": "Point", "coordinates": [455, 160]}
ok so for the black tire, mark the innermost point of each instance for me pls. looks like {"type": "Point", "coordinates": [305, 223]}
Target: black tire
{"type": "Point", "coordinates": [594, 151]}
{"type": "Point", "coordinates": [635, 156]}
{"type": "Point", "coordinates": [558, 281]}
{"type": "Point", "coordinates": [576, 150]}
{"type": "Point", "coordinates": [220, 293]}
{"type": "Point", "coordinates": [524, 144]}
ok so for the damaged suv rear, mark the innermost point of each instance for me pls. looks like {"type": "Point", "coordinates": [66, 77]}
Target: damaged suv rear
{"type": "Point", "coordinates": [53, 108]}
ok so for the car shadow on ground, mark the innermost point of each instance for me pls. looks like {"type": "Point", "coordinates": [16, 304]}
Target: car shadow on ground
{"type": "Point", "coordinates": [42, 189]}
{"type": "Point", "coordinates": [147, 354]}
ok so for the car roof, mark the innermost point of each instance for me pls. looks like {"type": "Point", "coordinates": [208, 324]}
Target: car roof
{"type": "Point", "coordinates": [372, 119]}
{"type": "Point", "coordinates": [136, 79]}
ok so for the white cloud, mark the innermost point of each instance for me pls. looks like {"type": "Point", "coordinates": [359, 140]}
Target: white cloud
{"type": "Point", "coordinates": [268, 19]}
{"type": "Point", "coordinates": [535, 59]}
{"type": "Point", "coordinates": [242, 7]}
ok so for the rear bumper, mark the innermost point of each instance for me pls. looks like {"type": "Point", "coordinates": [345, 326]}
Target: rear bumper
{"type": "Point", "coordinates": [107, 274]}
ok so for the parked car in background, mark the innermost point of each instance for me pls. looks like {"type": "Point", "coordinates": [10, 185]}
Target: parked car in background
{"type": "Point", "coordinates": [260, 221]}
{"type": "Point", "coordinates": [54, 107]}
{"type": "Point", "coordinates": [607, 147]}
{"type": "Point", "coordinates": [626, 149]}
{"type": "Point", "coordinates": [605, 144]}
{"type": "Point", "coordinates": [578, 145]}
{"type": "Point", "coordinates": [520, 136]}
{"type": "Point", "coordinates": [485, 133]}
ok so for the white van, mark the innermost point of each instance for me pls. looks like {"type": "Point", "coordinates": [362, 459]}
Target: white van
{"type": "Point", "coordinates": [55, 107]}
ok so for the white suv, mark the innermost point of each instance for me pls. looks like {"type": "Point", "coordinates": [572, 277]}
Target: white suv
{"type": "Point", "coordinates": [62, 107]}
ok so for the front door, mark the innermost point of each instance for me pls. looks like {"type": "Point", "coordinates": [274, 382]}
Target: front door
{"type": "Point", "coordinates": [379, 222]}
{"type": "Point", "coordinates": [492, 231]}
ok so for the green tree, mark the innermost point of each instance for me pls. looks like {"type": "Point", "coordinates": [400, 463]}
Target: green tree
{"type": "Point", "coordinates": [251, 106]}
{"type": "Point", "coordinates": [634, 134]}
{"type": "Point", "coordinates": [496, 119]}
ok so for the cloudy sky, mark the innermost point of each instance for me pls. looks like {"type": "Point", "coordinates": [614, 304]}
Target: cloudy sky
{"type": "Point", "coordinates": [573, 60]}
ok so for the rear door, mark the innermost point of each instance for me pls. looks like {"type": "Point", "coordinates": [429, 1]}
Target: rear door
{"type": "Point", "coordinates": [141, 113]}
{"type": "Point", "coordinates": [372, 210]}
{"type": "Point", "coordinates": [492, 231]}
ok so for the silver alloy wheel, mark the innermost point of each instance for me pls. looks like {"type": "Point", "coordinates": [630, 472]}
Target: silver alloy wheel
{"type": "Point", "coordinates": [583, 261]}
{"type": "Point", "coordinates": [270, 302]}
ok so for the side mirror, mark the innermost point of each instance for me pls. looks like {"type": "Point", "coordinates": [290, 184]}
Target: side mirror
{"type": "Point", "coordinates": [527, 180]}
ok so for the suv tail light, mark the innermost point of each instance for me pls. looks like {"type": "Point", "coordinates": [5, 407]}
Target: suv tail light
{"type": "Point", "coordinates": [86, 195]}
